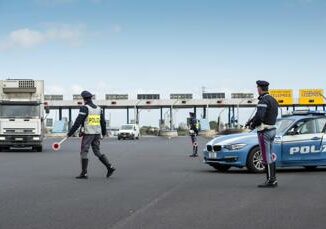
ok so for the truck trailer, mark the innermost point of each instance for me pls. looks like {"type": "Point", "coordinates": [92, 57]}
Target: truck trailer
{"type": "Point", "coordinates": [21, 114]}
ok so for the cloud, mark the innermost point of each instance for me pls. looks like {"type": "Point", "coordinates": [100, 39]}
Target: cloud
{"type": "Point", "coordinates": [96, 1]}
{"type": "Point", "coordinates": [76, 89]}
{"type": "Point", "coordinates": [53, 2]}
{"type": "Point", "coordinates": [306, 1]}
{"type": "Point", "coordinates": [28, 38]}
{"type": "Point", "coordinates": [55, 89]}
{"type": "Point", "coordinates": [67, 91]}
{"type": "Point", "coordinates": [64, 2]}
{"type": "Point", "coordinates": [293, 3]}
{"type": "Point", "coordinates": [67, 33]}
{"type": "Point", "coordinates": [116, 28]}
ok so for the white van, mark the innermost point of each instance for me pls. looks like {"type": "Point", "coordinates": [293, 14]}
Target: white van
{"type": "Point", "coordinates": [129, 131]}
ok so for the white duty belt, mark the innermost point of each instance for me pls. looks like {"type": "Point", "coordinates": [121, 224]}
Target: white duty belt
{"type": "Point", "coordinates": [263, 127]}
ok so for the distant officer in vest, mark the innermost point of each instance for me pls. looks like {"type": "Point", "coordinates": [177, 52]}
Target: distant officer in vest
{"type": "Point", "coordinates": [92, 122]}
{"type": "Point", "coordinates": [193, 131]}
{"type": "Point", "coordinates": [264, 121]}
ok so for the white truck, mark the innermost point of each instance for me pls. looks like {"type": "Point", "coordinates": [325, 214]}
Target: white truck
{"type": "Point", "coordinates": [129, 131]}
{"type": "Point", "coordinates": [21, 114]}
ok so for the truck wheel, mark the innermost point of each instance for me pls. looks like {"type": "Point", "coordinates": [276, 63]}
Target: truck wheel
{"type": "Point", "coordinates": [4, 149]}
{"type": "Point", "coordinates": [310, 168]}
{"type": "Point", "coordinates": [39, 148]}
{"type": "Point", "coordinates": [138, 137]}
{"type": "Point", "coordinates": [255, 161]}
{"type": "Point", "coordinates": [221, 168]}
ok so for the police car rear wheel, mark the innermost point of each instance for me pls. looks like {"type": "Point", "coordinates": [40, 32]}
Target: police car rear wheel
{"type": "Point", "coordinates": [221, 168]}
{"type": "Point", "coordinates": [255, 161]}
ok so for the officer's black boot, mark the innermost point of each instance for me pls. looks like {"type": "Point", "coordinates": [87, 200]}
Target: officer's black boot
{"type": "Point", "coordinates": [271, 181]}
{"type": "Point", "coordinates": [105, 161]}
{"type": "Point", "coordinates": [194, 152]}
{"type": "Point", "coordinates": [83, 174]}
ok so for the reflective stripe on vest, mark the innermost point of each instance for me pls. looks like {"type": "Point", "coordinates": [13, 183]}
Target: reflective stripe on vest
{"type": "Point", "coordinates": [93, 121]}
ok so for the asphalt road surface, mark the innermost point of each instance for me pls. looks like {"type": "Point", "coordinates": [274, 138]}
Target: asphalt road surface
{"type": "Point", "coordinates": [156, 186]}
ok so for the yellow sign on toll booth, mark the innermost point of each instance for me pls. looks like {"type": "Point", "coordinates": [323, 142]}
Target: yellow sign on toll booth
{"type": "Point", "coordinates": [311, 97]}
{"type": "Point", "coordinates": [283, 97]}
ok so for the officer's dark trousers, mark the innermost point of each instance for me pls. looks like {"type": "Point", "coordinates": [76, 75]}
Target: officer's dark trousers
{"type": "Point", "coordinates": [266, 140]}
{"type": "Point", "coordinates": [90, 140]}
{"type": "Point", "coordinates": [193, 139]}
{"type": "Point", "coordinates": [194, 144]}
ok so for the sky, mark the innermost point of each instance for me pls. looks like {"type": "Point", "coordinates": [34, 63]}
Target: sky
{"type": "Point", "coordinates": [163, 46]}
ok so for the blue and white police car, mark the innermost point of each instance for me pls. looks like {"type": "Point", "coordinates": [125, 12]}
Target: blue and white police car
{"type": "Point", "coordinates": [300, 141]}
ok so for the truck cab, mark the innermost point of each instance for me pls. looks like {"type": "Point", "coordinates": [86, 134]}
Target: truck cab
{"type": "Point", "coordinates": [21, 114]}
{"type": "Point", "coordinates": [129, 131]}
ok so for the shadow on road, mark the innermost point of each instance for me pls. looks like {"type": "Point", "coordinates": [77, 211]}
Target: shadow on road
{"type": "Point", "coordinates": [24, 151]}
{"type": "Point", "coordinates": [283, 170]}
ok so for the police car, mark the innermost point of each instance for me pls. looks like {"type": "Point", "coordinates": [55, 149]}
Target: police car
{"type": "Point", "coordinates": [300, 141]}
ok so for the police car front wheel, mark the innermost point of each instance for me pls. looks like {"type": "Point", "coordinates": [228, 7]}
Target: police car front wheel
{"type": "Point", "coordinates": [255, 161]}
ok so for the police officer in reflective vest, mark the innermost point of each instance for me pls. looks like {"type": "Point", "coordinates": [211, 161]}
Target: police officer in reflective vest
{"type": "Point", "coordinates": [193, 131]}
{"type": "Point", "coordinates": [92, 122]}
{"type": "Point", "coordinates": [264, 120]}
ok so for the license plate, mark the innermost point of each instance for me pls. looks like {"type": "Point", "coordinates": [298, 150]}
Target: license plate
{"type": "Point", "coordinates": [212, 155]}
{"type": "Point", "coordinates": [19, 139]}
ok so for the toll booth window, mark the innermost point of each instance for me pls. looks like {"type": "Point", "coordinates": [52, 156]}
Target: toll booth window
{"type": "Point", "coordinates": [116, 97]}
{"type": "Point", "coordinates": [148, 96]}
{"type": "Point", "coordinates": [213, 95]}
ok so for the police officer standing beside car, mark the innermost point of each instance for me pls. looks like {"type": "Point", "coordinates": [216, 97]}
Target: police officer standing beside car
{"type": "Point", "coordinates": [193, 132]}
{"type": "Point", "coordinates": [91, 120]}
{"type": "Point", "coordinates": [264, 121]}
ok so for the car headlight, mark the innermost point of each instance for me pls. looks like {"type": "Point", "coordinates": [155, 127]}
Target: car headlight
{"type": "Point", "coordinates": [235, 146]}
{"type": "Point", "coordinates": [36, 138]}
{"type": "Point", "coordinates": [2, 138]}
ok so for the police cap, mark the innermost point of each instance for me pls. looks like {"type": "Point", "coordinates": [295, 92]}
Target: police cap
{"type": "Point", "coordinates": [86, 95]}
{"type": "Point", "coordinates": [263, 84]}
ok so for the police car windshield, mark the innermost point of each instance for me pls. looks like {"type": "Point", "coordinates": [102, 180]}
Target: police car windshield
{"type": "Point", "coordinates": [283, 124]}
{"type": "Point", "coordinates": [127, 127]}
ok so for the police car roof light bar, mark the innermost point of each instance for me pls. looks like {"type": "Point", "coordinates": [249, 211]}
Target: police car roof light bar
{"type": "Point", "coordinates": [308, 112]}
